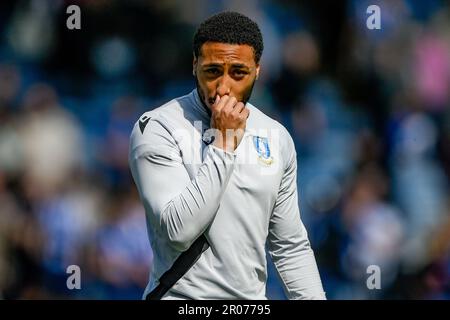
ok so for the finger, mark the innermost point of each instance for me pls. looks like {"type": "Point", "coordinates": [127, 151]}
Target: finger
{"type": "Point", "coordinates": [245, 113]}
{"type": "Point", "coordinates": [221, 102]}
{"type": "Point", "coordinates": [229, 106]}
{"type": "Point", "coordinates": [215, 104]}
{"type": "Point", "coordinates": [239, 107]}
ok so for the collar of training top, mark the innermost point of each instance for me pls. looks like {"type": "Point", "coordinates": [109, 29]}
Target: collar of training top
{"type": "Point", "coordinates": [200, 103]}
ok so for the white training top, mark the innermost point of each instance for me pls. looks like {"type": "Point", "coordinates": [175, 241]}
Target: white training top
{"type": "Point", "coordinates": [238, 200]}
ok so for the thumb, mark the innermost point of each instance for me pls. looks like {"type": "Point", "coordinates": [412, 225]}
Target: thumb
{"type": "Point", "coordinates": [216, 102]}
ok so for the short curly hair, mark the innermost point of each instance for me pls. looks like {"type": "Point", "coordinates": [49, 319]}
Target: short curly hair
{"type": "Point", "coordinates": [229, 27]}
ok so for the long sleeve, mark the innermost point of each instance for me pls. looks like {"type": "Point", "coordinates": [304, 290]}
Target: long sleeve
{"type": "Point", "coordinates": [179, 208]}
{"type": "Point", "coordinates": [288, 241]}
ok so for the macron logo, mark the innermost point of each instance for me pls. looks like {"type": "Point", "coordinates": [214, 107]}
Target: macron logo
{"type": "Point", "coordinates": [143, 123]}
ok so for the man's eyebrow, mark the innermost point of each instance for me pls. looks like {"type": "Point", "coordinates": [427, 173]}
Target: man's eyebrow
{"type": "Point", "coordinates": [216, 64]}
{"type": "Point", "coordinates": [240, 65]}
{"type": "Point", "coordinates": [212, 64]}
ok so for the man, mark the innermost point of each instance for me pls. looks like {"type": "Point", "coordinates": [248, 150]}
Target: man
{"type": "Point", "coordinates": [226, 190]}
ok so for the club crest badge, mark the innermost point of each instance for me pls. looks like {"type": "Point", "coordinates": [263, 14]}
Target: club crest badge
{"type": "Point", "coordinates": [262, 148]}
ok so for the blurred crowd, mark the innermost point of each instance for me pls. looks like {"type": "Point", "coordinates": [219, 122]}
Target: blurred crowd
{"type": "Point", "coordinates": [369, 112]}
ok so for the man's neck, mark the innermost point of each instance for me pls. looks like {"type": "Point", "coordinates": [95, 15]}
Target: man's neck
{"type": "Point", "coordinates": [203, 103]}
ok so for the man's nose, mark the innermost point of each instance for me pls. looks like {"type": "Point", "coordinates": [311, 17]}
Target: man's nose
{"type": "Point", "coordinates": [223, 86]}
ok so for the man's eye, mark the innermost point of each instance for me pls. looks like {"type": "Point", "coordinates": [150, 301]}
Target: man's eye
{"type": "Point", "coordinates": [212, 71]}
{"type": "Point", "coordinates": [240, 73]}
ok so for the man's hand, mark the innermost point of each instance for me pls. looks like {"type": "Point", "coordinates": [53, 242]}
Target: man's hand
{"type": "Point", "coordinates": [229, 117]}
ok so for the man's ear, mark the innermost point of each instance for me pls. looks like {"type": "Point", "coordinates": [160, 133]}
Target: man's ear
{"type": "Point", "coordinates": [194, 66]}
{"type": "Point", "coordinates": [257, 71]}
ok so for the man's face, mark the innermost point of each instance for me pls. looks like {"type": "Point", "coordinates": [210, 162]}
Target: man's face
{"type": "Point", "coordinates": [225, 69]}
